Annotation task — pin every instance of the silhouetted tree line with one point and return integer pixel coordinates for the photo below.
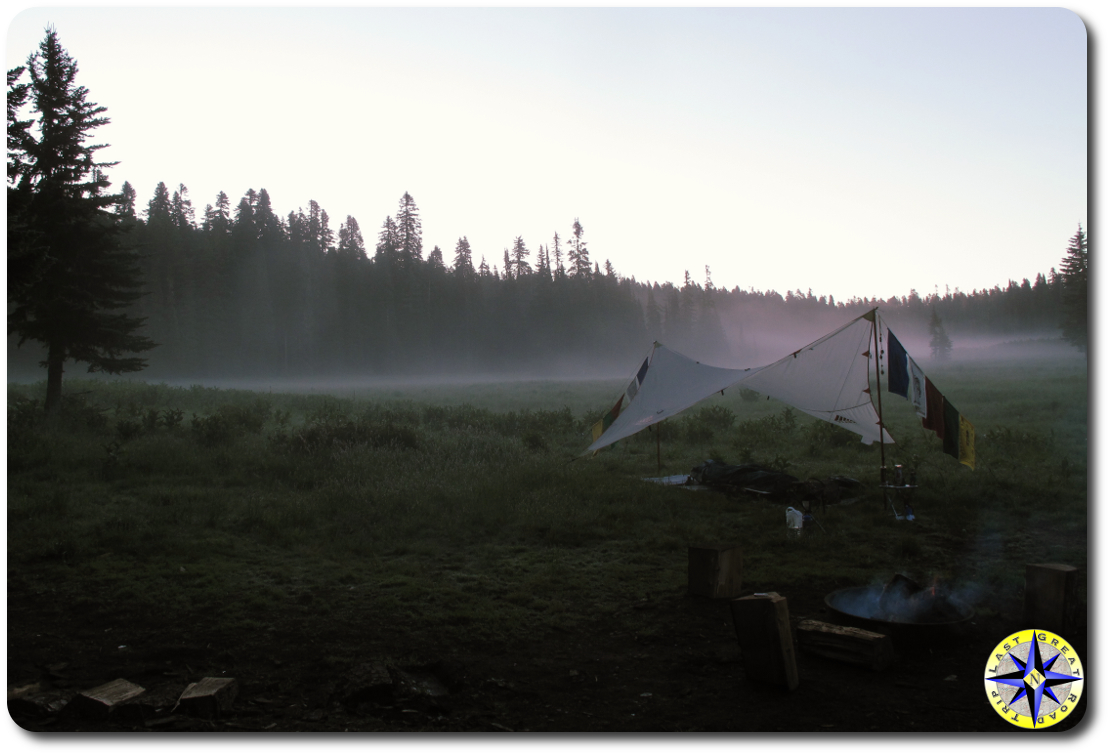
(243, 291)
(749, 326)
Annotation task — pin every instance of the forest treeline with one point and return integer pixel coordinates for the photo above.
(245, 291)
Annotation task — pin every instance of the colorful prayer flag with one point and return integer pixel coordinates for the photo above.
(917, 388)
(603, 424)
(897, 375)
(634, 386)
(951, 430)
(934, 417)
(967, 443)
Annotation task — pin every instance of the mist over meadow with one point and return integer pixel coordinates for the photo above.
(247, 295)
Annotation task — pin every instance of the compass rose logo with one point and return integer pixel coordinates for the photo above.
(1034, 679)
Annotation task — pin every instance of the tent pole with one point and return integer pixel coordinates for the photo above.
(879, 389)
(658, 451)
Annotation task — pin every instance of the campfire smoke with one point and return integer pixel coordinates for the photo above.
(901, 600)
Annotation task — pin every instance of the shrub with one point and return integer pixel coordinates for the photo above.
(230, 422)
(150, 420)
(126, 429)
(335, 431)
(767, 430)
(822, 435)
(23, 414)
(534, 441)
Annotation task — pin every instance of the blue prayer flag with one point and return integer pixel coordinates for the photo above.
(897, 371)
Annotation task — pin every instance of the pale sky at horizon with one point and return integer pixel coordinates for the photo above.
(854, 152)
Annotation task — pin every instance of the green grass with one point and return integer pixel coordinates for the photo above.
(481, 518)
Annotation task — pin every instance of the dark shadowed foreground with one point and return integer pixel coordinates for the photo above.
(387, 565)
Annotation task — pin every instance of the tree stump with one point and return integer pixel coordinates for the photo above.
(762, 624)
(1050, 598)
(847, 644)
(715, 570)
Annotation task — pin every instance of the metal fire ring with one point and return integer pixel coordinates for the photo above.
(837, 597)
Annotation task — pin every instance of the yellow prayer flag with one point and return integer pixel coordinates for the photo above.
(598, 428)
(967, 442)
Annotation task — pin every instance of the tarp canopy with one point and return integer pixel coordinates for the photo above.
(827, 379)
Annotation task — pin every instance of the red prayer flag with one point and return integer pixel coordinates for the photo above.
(934, 409)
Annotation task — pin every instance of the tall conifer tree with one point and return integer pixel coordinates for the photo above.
(409, 243)
(519, 258)
(76, 303)
(1073, 270)
(939, 343)
(464, 259)
(578, 255)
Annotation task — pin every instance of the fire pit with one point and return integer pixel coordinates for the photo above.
(900, 602)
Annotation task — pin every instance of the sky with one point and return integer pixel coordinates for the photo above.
(860, 152)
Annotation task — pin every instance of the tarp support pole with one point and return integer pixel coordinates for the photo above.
(879, 390)
(658, 451)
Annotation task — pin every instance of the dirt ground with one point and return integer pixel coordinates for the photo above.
(680, 671)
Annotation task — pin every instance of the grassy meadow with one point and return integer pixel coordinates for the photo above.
(470, 511)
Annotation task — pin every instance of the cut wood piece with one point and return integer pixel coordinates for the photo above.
(762, 624)
(22, 690)
(847, 644)
(1050, 598)
(40, 703)
(155, 703)
(98, 702)
(208, 698)
(368, 682)
(715, 570)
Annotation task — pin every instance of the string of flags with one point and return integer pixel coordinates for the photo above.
(937, 413)
(630, 393)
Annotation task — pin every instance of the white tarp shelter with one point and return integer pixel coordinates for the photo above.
(827, 379)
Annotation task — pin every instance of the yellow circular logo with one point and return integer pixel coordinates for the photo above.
(1034, 679)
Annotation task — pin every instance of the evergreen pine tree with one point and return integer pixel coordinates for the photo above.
(409, 244)
(558, 271)
(26, 257)
(244, 216)
(125, 205)
(578, 255)
(435, 259)
(160, 205)
(939, 343)
(325, 236)
(520, 266)
(85, 280)
(387, 251)
(350, 240)
(464, 260)
(652, 315)
(181, 209)
(543, 263)
(1073, 271)
(219, 221)
(269, 225)
(19, 138)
